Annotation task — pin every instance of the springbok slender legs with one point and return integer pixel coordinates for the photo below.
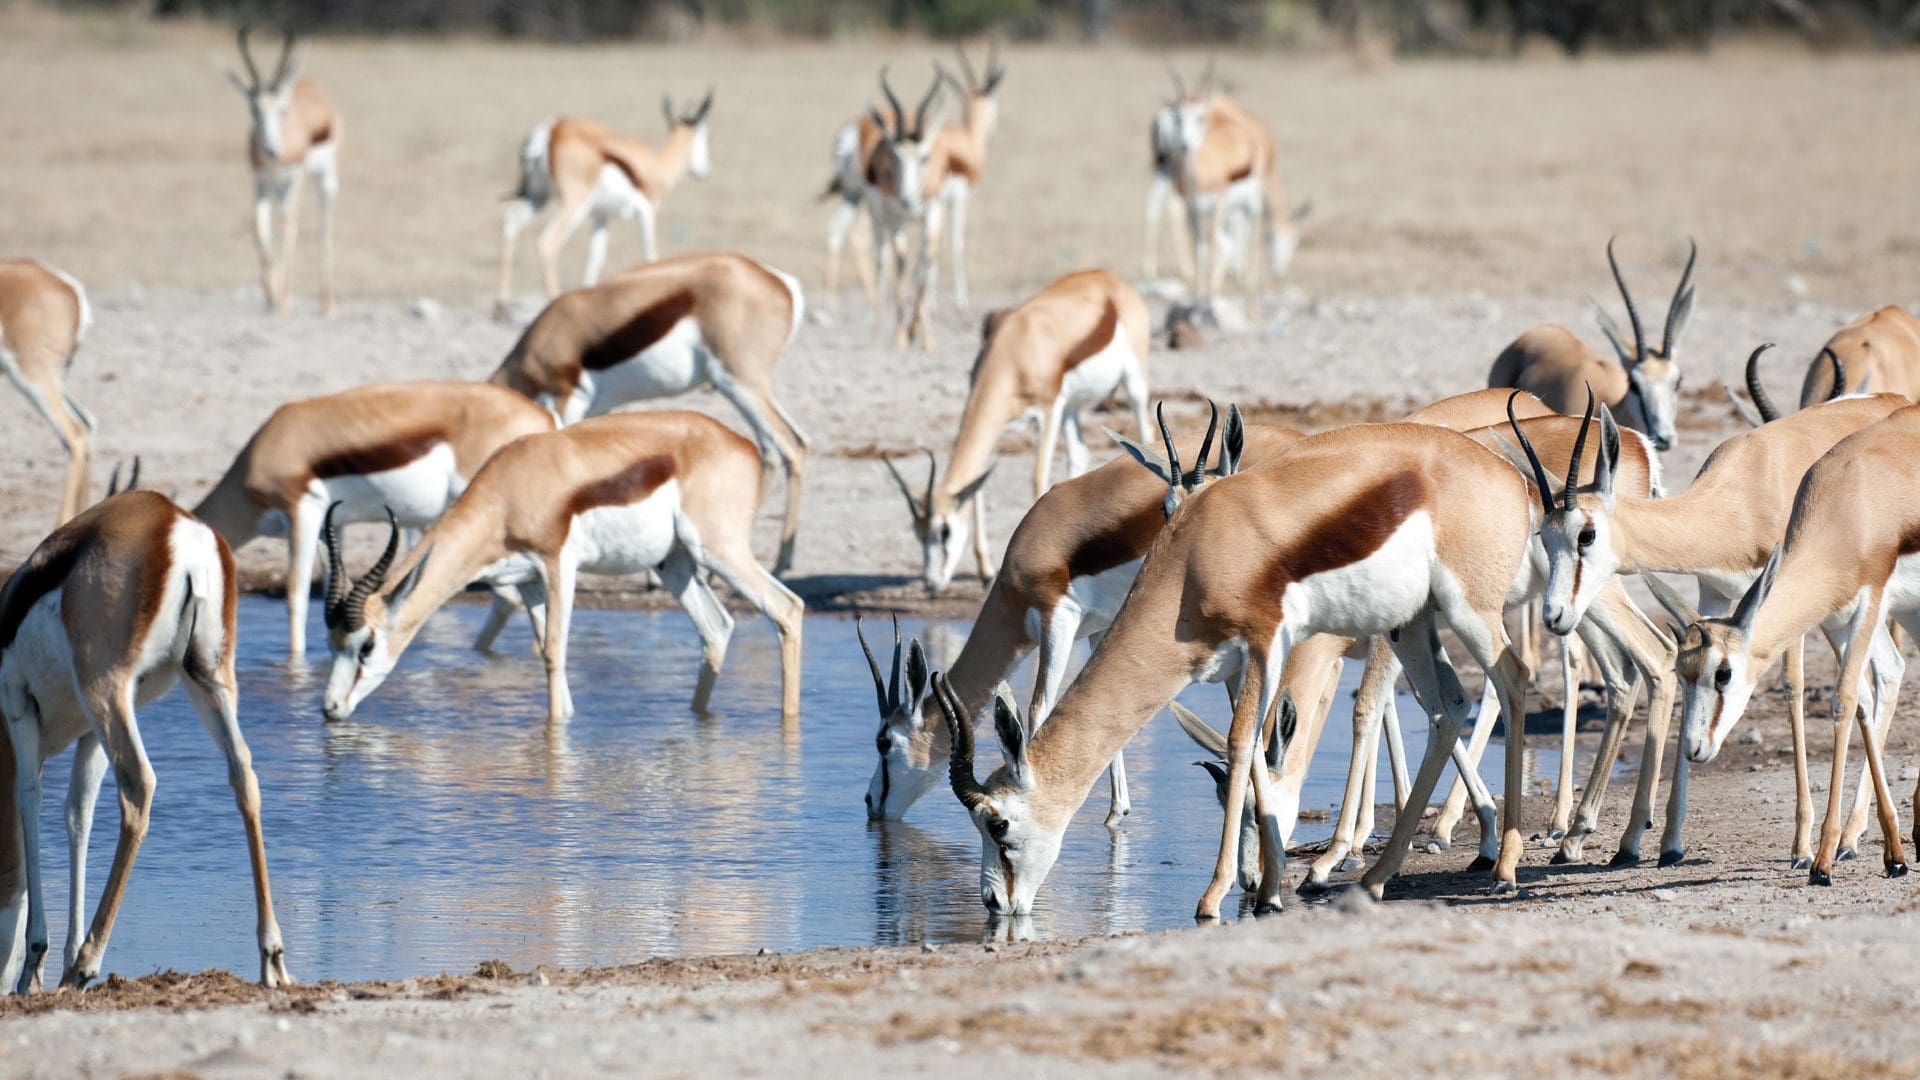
(779, 437)
(328, 179)
(513, 221)
(682, 577)
(71, 423)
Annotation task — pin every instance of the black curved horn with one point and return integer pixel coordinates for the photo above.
(1768, 411)
(1839, 374)
(899, 113)
(879, 683)
(354, 607)
(246, 54)
(1579, 450)
(966, 786)
(1199, 473)
(337, 583)
(920, 113)
(1533, 459)
(1633, 313)
(966, 68)
(1166, 436)
(286, 55)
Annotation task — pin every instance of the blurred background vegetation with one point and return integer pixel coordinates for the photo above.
(1466, 27)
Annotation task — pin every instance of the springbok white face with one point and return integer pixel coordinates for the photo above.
(699, 152)
(898, 778)
(360, 624)
(1216, 744)
(1017, 847)
(269, 100)
(1718, 673)
(942, 523)
(1654, 377)
(1576, 524)
(901, 160)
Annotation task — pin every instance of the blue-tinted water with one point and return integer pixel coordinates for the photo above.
(445, 826)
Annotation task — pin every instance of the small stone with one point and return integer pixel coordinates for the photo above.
(763, 951)
(1910, 772)
(427, 310)
(1755, 767)
(1665, 896)
(539, 978)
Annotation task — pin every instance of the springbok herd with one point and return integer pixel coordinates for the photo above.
(1256, 556)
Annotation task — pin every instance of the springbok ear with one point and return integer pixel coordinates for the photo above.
(1742, 406)
(1217, 770)
(1678, 320)
(913, 501)
(1606, 466)
(1151, 461)
(966, 494)
(1612, 331)
(874, 115)
(1284, 728)
(1012, 731)
(1678, 606)
(1233, 441)
(398, 597)
(1756, 594)
(666, 110)
(916, 677)
(1199, 730)
(295, 66)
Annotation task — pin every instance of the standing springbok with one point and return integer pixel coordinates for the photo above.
(673, 492)
(44, 315)
(1846, 564)
(1643, 387)
(406, 449)
(600, 175)
(1721, 529)
(100, 620)
(1372, 529)
(904, 217)
(1069, 346)
(296, 134)
(667, 329)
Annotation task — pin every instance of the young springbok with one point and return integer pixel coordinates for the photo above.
(673, 492)
(296, 134)
(1069, 346)
(1846, 564)
(1553, 364)
(405, 449)
(1720, 530)
(667, 329)
(44, 314)
(100, 620)
(597, 174)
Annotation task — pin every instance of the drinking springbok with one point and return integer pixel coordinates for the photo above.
(1846, 564)
(1643, 387)
(667, 329)
(406, 449)
(672, 492)
(1068, 347)
(44, 315)
(597, 174)
(296, 134)
(101, 619)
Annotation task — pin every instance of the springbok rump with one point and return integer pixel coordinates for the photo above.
(44, 315)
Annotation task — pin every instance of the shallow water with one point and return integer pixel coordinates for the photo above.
(443, 826)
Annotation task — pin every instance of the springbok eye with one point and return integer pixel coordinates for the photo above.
(883, 744)
(1723, 677)
(998, 827)
(946, 532)
(1587, 537)
(366, 649)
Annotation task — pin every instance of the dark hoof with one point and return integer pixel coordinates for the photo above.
(1896, 869)
(1348, 865)
(1624, 858)
(1503, 888)
(1802, 863)
(1559, 859)
(1265, 908)
(1556, 835)
(1480, 862)
(1206, 920)
(1819, 877)
(1310, 887)
(1671, 858)
(1847, 854)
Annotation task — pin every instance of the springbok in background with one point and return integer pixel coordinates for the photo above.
(1720, 530)
(44, 315)
(1846, 564)
(100, 620)
(959, 156)
(600, 175)
(667, 329)
(296, 134)
(1762, 410)
(405, 449)
(1069, 346)
(672, 492)
(1643, 387)
(904, 218)
(1879, 351)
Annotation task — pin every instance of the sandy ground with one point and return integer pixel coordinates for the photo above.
(1455, 206)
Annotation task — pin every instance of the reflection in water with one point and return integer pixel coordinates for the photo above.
(446, 824)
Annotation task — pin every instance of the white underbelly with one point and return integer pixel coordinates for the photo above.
(1093, 379)
(615, 196)
(417, 492)
(625, 539)
(1099, 596)
(1903, 587)
(1381, 592)
(676, 364)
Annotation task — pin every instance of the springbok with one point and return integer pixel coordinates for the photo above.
(101, 619)
(666, 329)
(597, 174)
(1643, 387)
(1762, 410)
(44, 315)
(1360, 531)
(1720, 530)
(1068, 566)
(905, 220)
(674, 492)
(1880, 350)
(1846, 564)
(296, 134)
(406, 449)
(1069, 346)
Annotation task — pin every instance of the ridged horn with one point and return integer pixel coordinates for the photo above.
(1533, 459)
(966, 787)
(1768, 411)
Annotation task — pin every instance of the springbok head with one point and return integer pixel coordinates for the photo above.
(905, 771)
(1183, 483)
(980, 96)
(1576, 522)
(1653, 375)
(1215, 744)
(1190, 107)
(694, 122)
(271, 99)
(1718, 669)
(1019, 841)
(360, 620)
(899, 165)
(942, 522)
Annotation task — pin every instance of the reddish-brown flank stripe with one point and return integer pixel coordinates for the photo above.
(1100, 337)
(379, 457)
(1349, 533)
(1241, 173)
(624, 488)
(152, 575)
(1127, 540)
(639, 333)
(44, 571)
